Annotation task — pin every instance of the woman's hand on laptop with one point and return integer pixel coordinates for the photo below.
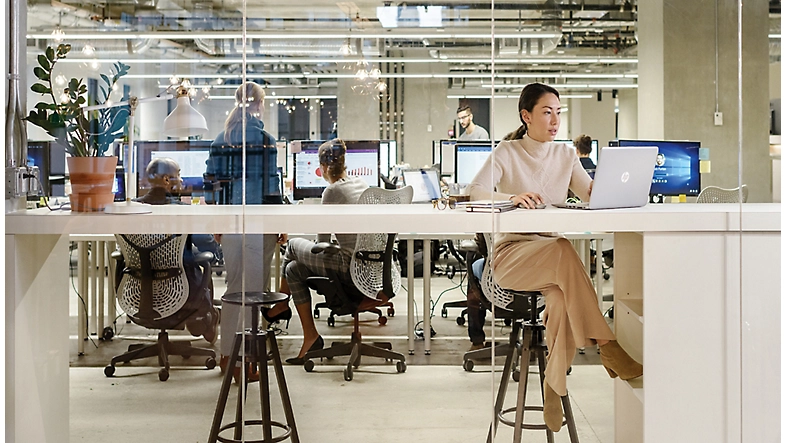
(527, 200)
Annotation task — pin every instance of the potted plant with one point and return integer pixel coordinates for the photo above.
(86, 135)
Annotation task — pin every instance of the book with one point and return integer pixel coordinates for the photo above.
(488, 206)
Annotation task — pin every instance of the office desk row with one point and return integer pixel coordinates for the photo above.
(705, 275)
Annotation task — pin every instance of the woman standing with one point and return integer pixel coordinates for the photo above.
(530, 171)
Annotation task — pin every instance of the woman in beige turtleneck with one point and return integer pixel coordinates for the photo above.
(531, 170)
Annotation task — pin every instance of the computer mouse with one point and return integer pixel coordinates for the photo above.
(540, 206)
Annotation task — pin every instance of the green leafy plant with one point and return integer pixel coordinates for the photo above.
(83, 133)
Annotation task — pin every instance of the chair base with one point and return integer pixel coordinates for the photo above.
(356, 349)
(331, 321)
(162, 348)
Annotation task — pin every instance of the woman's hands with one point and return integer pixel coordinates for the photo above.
(527, 200)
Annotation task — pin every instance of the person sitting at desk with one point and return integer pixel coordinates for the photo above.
(583, 144)
(531, 171)
(471, 130)
(163, 174)
(257, 248)
(300, 263)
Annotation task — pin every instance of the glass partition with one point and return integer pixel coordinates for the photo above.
(430, 95)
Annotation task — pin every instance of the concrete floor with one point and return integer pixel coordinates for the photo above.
(434, 400)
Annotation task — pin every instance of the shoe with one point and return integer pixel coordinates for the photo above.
(552, 409)
(618, 363)
(477, 346)
(224, 362)
(284, 315)
(211, 332)
(318, 344)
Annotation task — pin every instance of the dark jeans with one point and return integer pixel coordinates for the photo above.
(476, 313)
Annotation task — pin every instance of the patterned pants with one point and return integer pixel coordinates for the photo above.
(299, 264)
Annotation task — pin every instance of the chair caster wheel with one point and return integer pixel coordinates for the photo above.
(508, 322)
(107, 333)
(401, 367)
(570, 369)
(308, 365)
(331, 321)
(210, 363)
(444, 313)
(316, 313)
(391, 312)
(163, 374)
(516, 376)
(382, 321)
(460, 321)
(468, 365)
(109, 370)
(348, 374)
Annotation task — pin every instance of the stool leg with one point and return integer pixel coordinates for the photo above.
(503, 384)
(574, 435)
(523, 378)
(260, 351)
(282, 388)
(541, 356)
(224, 393)
(242, 392)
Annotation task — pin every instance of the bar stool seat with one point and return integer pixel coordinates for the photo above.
(260, 348)
(527, 336)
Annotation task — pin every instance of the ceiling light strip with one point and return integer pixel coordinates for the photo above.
(397, 35)
(298, 75)
(317, 61)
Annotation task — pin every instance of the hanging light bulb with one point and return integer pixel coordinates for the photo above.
(63, 98)
(375, 73)
(174, 80)
(88, 50)
(58, 35)
(60, 80)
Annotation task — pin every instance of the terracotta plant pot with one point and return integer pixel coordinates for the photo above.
(91, 182)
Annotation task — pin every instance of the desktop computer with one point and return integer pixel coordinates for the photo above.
(677, 168)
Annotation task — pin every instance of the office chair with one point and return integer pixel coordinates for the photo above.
(157, 290)
(374, 270)
(714, 194)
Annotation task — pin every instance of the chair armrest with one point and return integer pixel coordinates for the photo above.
(203, 257)
(327, 248)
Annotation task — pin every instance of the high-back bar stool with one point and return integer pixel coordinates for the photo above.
(258, 344)
(531, 331)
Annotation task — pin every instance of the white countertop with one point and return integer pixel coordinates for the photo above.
(421, 219)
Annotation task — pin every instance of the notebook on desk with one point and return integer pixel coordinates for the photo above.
(622, 179)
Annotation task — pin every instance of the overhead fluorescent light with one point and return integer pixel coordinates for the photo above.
(299, 35)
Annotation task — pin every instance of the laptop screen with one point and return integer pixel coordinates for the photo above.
(425, 184)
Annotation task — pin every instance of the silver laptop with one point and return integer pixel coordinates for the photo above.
(622, 178)
(425, 184)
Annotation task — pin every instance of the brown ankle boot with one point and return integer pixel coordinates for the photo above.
(552, 409)
(618, 362)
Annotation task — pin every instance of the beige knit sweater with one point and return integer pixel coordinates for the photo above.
(526, 165)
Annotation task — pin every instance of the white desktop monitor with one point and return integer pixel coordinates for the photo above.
(469, 158)
(193, 165)
(384, 157)
(360, 161)
(281, 157)
(425, 184)
(447, 153)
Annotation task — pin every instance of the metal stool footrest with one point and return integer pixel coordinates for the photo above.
(530, 426)
(284, 436)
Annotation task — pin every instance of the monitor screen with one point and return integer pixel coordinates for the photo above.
(119, 186)
(447, 153)
(469, 158)
(676, 166)
(425, 184)
(362, 160)
(387, 156)
(192, 165)
(593, 155)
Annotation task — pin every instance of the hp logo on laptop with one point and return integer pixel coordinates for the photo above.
(625, 177)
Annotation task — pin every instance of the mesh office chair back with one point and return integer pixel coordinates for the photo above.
(714, 194)
(169, 285)
(367, 267)
(499, 296)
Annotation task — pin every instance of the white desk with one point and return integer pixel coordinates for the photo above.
(704, 275)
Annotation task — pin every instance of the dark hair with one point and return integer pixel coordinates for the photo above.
(464, 107)
(583, 144)
(528, 99)
(332, 155)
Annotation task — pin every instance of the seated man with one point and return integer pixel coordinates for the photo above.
(476, 313)
(164, 177)
(163, 174)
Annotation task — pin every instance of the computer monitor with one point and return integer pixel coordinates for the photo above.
(676, 167)
(469, 158)
(362, 160)
(191, 155)
(235, 170)
(446, 157)
(425, 184)
(593, 155)
(119, 186)
(388, 154)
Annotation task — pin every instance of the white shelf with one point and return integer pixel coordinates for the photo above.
(636, 386)
(634, 307)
